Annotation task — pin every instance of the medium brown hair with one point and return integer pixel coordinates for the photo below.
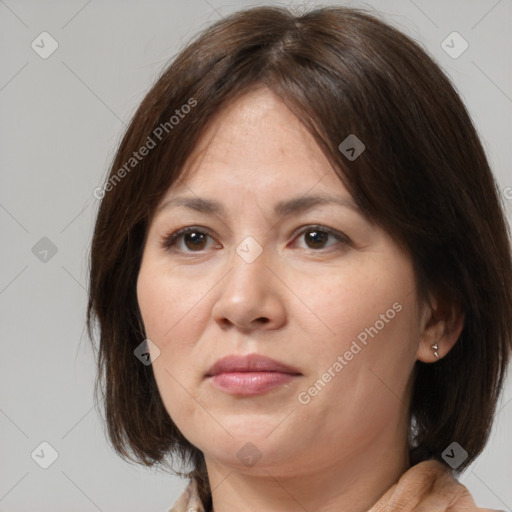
(423, 177)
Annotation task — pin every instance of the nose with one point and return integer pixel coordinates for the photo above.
(250, 296)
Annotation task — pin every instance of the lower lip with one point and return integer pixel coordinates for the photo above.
(250, 383)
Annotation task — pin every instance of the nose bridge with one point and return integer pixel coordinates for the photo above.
(250, 257)
(249, 292)
(249, 274)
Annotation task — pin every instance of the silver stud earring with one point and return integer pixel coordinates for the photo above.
(435, 347)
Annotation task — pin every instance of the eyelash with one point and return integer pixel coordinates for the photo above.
(168, 242)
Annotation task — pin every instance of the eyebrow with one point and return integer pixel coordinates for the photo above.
(284, 208)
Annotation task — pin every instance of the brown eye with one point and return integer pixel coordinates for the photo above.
(316, 238)
(194, 240)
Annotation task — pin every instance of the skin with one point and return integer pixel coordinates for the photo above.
(299, 303)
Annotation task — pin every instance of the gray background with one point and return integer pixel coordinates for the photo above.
(61, 120)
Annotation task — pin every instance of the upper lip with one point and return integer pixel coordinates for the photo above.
(249, 363)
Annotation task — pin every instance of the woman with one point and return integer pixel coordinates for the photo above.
(301, 272)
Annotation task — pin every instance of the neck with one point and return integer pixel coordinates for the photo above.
(351, 485)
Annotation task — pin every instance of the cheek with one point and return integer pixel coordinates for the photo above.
(164, 313)
(359, 383)
(169, 305)
(345, 303)
(171, 309)
(368, 325)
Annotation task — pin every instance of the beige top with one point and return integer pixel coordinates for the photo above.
(428, 485)
(189, 500)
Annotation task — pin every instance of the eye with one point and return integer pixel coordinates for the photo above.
(193, 237)
(316, 237)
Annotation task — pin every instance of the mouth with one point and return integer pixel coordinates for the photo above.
(251, 374)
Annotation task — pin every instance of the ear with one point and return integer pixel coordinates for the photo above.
(441, 326)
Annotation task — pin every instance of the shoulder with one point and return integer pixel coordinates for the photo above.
(428, 485)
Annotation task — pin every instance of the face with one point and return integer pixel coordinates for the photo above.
(313, 285)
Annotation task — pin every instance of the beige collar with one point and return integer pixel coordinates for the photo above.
(427, 486)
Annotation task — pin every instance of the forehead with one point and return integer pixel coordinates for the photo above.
(256, 140)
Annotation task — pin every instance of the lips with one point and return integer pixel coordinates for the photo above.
(253, 374)
(250, 363)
